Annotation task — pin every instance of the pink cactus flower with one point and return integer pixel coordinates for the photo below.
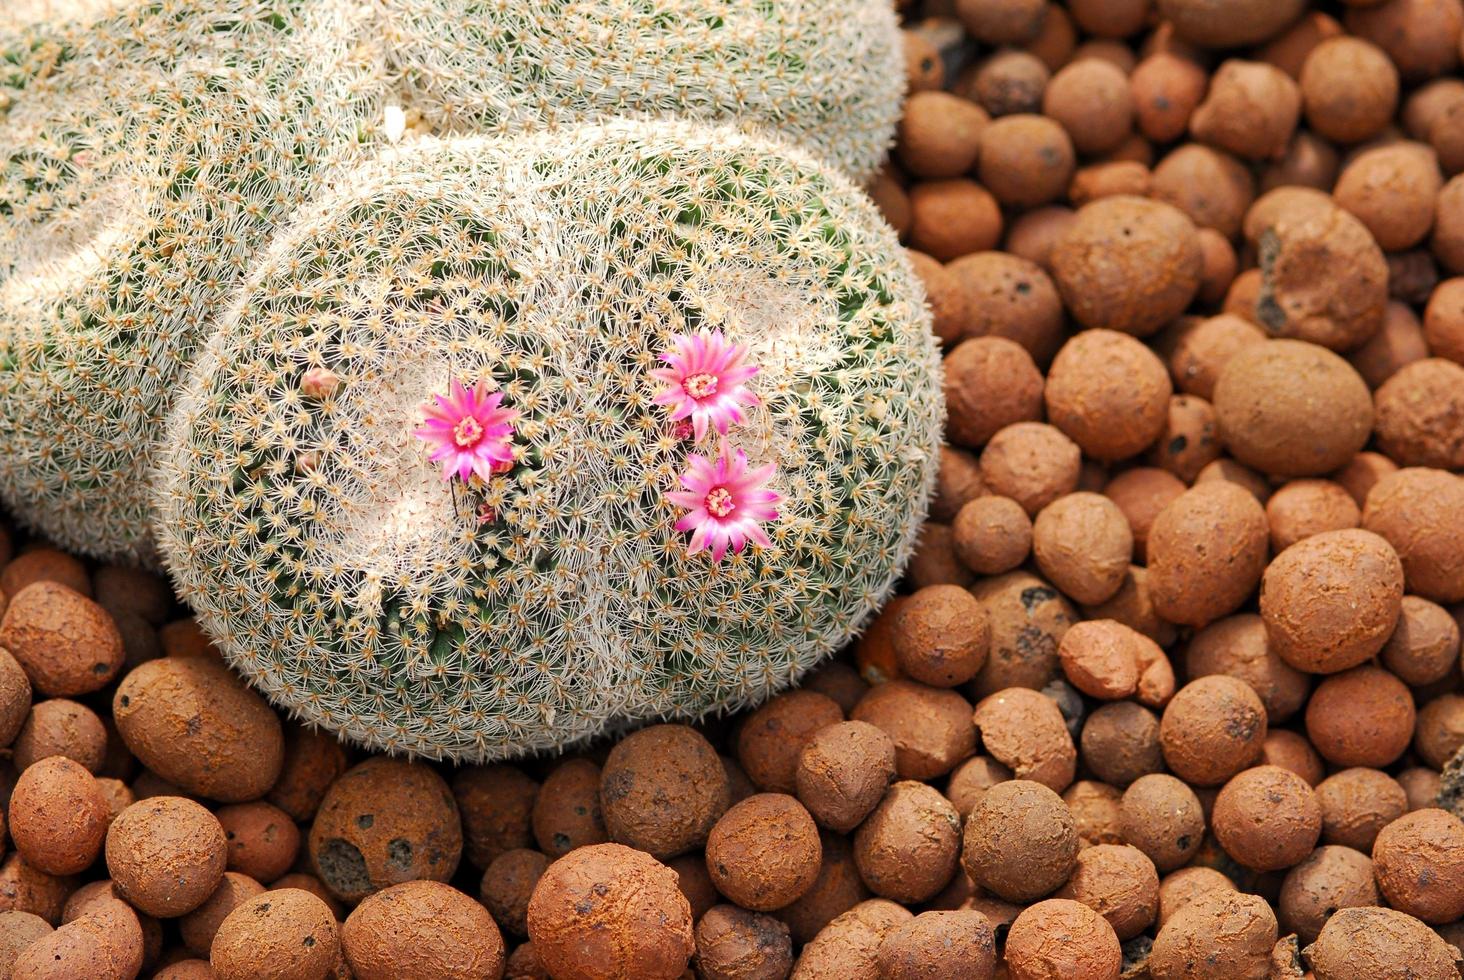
(469, 433)
(727, 503)
(705, 381)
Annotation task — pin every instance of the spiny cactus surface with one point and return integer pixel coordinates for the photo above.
(533, 291)
(826, 74)
(147, 149)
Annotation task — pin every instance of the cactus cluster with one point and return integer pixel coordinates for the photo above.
(147, 150)
(827, 75)
(310, 527)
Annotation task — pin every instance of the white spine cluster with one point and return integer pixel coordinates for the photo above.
(828, 75)
(147, 150)
(348, 581)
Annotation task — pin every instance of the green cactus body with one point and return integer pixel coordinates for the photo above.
(359, 590)
(827, 75)
(141, 165)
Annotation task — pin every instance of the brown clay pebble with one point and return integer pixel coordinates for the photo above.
(1360, 717)
(1032, 235)
(843, 773)
(1119, 883)
(1010, 82)
(58, 816)
(291, 935)
(1025, 731)
(661, 789)
(972, 779)
(1141, 493)
(1331, 601)
(1356, 804)
(1202, 351)
(773, 736)
(1419, 863)
(166, 855)
(951, 218)
(1421, 37)
(1091, 99)
(199, 927)
(191, 721)
(947, 301)
(1032, 463)
(931, 727)
(735, 944)
(1417, 510)
(1443, 320)
(1212, 25)
(839, 681)
(933, 563)
(941, 636)
(1128, 264)
(27, 889)
(1239, 647)
(1218, 935)
(1303, 508)
(609, 912)
(836, 890)
(940, 134)
(1207, 550)
(992, 535)
(1212, 729)
(1363, 472)
(1391, 189)
(1096, 809)
(1162, 817)
(1020, 841)
(1025, 160)
(1419, 414)
(1166, 89)
(1120, 743)
(1013, 298)
(1374, 943)
(67, 643)
(15, 697)
(1062, 938)
(764, 852)
(1101, 658)
(104, 944)
(314, 760)
(507, 886)
(1028, 620)
(990, 383)
(691, 878)
(849, 946)
(566, 811)
(385, 821)
(1294, 753)
(18, 930)
(263, 840)
(940, 944)
(1250, 110)
(1082, 543)
(1327, 880)
(908, 848)
(1349, 89)
(1439, 731)
(44, 565)
(1267, 818)
(1179, 888)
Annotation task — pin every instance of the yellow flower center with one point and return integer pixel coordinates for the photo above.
(467, 432)
(719, 502)
(700, 385)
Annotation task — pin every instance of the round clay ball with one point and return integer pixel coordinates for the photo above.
(1238, 646)
(1141, 493)
(1166, 88)
(1212, 25)
(661, 789)
(1418, 412)
(1108, 393)
(951, 218)
(1025, 731)
(1356, 804)
(1366, 943)
(1212, 729)
(1218, 935)
(941, 636)
(1120, 743)
(385, 821)
(199, 927)
(1391, 189)
(735, 944)
(1001, 21)
(849, 945)
(422, 929)
(1207, 551)
(609, 911)
(939, 134)
(1096, 812)
(106, 943)
(1179, 888)
(972, 779)
(1331, 601)
(174, 712)
(263, 840)
(993, 535)
(1349, 89)
(939, 943)
(1025, 160)
(1020, 841)
(1416, 510)
(1062, 938)
(1128, 264)
(1250, 110)
(1101, 658)
(1201, 351)
(1360, 717)
(1292, 409)
(1028, 620)
(18, 930)
(843, 773)
(68, 644)
(314, 760)
(773, 736)
(567, 812)
(908, 848)
(1010, 297)
(61, 727)
(1162, 817)
(931, 727)
(1031, 463)
(1267, 818)
(1419, 863)
(1118, 881)
(1439, 731)
(764, 852)
(43, 565)
(166, 855)
(990, 383)
(507, 885)
(57, 816)
(1010, 82)
(1091, 99)
(1303, 508)
(1082, 543)
(287, 934)
(1327, 880)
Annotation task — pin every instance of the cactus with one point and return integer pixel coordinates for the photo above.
(146, 150)
(508, 313)
(827, 74)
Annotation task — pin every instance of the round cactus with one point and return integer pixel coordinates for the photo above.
(508, 441)
(828, 75)
(146, 151)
